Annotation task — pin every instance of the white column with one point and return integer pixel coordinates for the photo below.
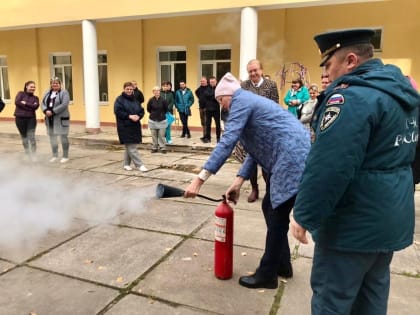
(249, 37)
(90, 76)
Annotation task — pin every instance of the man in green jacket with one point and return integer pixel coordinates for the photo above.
(356, 194)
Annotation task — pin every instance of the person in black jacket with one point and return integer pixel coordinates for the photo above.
(157, 107)
(138, 95)
(212, 110)
(199, 92)
(128, 114)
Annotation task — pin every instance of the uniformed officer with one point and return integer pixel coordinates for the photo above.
(355, 197)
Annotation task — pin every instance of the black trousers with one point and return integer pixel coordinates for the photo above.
(26, 127)
(184, 121)
(215, 114)
(277, 250)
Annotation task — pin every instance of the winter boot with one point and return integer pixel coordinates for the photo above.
(254, 194)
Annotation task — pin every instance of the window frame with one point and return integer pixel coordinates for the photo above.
(103, 52)
(2, 93)
(170, 63)
(379, 30)
(53, 67)
(213, 62)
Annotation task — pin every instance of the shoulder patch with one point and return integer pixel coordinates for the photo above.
(330, 115)
(335, 99)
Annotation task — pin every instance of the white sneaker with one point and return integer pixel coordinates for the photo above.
(53, 159)
(64, 160)
(143, 168)
(128, 168)
(169, 142)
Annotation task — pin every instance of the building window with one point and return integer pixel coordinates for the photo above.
(4, 79)
(215, 61)
(377, 40)
(172, 65)
(61, 67)
(103, 77)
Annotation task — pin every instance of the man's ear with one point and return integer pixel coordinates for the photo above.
(352, 61)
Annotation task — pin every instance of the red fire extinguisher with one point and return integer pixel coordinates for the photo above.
(223, 241)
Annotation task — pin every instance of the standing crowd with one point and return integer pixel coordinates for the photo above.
(340, 158)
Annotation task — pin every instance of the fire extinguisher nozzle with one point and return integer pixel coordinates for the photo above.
(165, 191)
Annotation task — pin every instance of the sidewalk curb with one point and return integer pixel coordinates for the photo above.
(115, 145)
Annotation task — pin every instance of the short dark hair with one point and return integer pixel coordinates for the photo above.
(128, 83)
(298, 81)
(362, 50)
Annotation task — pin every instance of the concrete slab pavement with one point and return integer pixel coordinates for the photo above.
(158, 259)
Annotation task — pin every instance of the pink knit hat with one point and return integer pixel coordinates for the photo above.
(227, 85)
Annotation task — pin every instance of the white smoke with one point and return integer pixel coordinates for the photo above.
(34, 203)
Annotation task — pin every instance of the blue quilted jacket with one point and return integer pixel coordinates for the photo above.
(273, 138)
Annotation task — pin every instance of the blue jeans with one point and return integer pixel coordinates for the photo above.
(350, 283)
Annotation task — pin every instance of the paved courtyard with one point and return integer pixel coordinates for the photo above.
(87, 237)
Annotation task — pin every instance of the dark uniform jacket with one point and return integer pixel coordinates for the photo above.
(356, 192)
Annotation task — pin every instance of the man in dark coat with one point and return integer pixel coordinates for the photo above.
(212, 110)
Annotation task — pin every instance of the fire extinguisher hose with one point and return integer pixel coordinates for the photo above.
(211, 199)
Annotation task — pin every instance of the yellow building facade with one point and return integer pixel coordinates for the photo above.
(153, 41)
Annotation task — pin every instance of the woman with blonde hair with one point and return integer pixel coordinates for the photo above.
(55, 105)
(157, 108)
(308, 107)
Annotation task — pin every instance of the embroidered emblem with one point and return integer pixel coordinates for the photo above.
(330, 115)
(336, 99)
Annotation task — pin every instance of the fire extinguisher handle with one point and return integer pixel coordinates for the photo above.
(208, 198)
